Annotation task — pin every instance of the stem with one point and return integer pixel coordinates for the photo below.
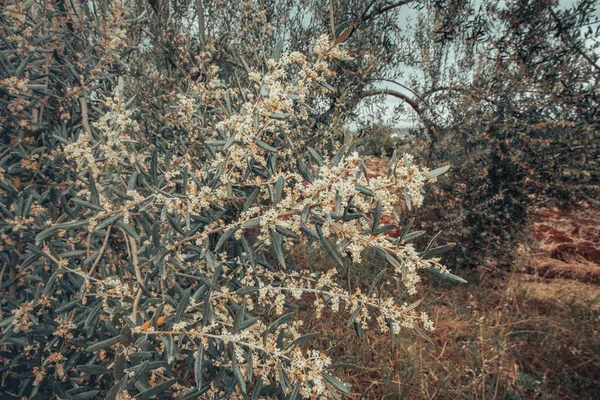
(97, 261)
(219, 337)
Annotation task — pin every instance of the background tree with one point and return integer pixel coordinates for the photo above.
(517, 115)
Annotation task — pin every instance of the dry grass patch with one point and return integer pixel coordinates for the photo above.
(517, 336)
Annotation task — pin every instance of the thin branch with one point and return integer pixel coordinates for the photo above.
(201, 28)
(220, 337)
(136, 303)
(385, 9)
(134, 260)
(398, 84)
(390, 92)
(81, 274)
(101, 251)
(85, 116)
(138, 275)
(441, 89)
(85, 119)
(1, 276)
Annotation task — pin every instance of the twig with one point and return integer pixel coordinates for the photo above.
(101, 250)
(12, 274)
(219, 337)
(136, 302)
(138, 276)
(85, 119)
(84, 276)
(1, 276)
(135, 262)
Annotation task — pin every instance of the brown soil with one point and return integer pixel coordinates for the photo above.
(568, 246)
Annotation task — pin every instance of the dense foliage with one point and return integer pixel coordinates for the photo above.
(148, 210)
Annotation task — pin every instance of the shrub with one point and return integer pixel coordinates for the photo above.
(147, 221)
(380, 141)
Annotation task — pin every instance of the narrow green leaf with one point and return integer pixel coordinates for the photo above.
(279, 189)
(281, 320)
(257, 389)
(90, 394)
(437, 172)
(129, 230)
(278, 247)
(376, 216)
(302, 339)
(45, 234)
(326, 85)
(316, 156)
(247, 323)
(252, 223)
(375, 282)
(286, 232)
(439, 250)
(384, 228)
(183, 303)
(336, 383)
(157, 389)
(87, 204)
(431, 242)
(245, 65)
(119, 366)
(139, 372)
(446, 276)
(327, 246)
(407, 199)
(154, 166)
(224, 237)
(104, 344)
(116, 388)
(94, 369)
(251, 199)
(412, 235)
(245, 290)
(343, 36)
(198, 367)
(249, 364)
(304, 171)
(305, 213)
(406, 229)
(249, 251)
(413, 305)
(280, 116)
(295, 392)
(238, 375)
(108, 221)
(354, 315)
(91, 319)
(338, 157)
(364, 190)
(266, 147)
(72, 254)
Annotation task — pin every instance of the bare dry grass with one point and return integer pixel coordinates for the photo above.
(517, 335)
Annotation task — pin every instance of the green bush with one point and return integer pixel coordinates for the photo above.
(382, 141)
(147, 217)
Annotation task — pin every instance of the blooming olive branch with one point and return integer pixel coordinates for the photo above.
(192, 334)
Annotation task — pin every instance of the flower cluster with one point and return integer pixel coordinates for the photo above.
(154, 228)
